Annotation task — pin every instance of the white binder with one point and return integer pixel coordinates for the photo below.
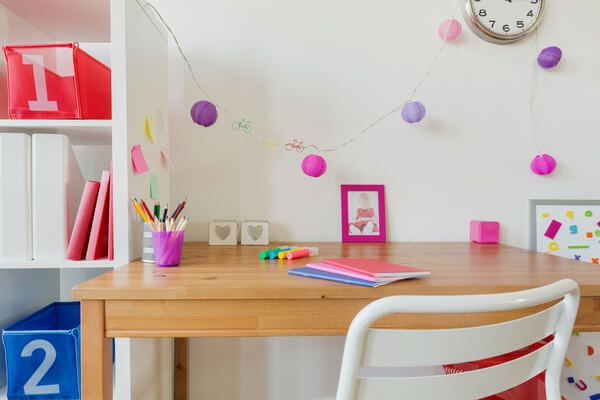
(15, 197)
(57, 185)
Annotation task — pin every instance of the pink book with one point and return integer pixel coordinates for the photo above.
(83, 222)
(375, 268)
(98, 244)
(340, 271)
(111, 243)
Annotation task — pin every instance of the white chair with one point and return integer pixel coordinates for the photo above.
(366, 347)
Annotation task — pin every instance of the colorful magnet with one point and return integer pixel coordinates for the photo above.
(553, 246)
(595, 261)
(589, 235)
(577, 257)
(570, 214)
(581, 385)
(570, 379)
(568, 363)
(588, 213)
(552, 229)
(573, 229)
(590, 351)
(544, 215)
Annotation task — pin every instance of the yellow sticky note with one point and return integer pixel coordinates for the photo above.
(154, 193)
(150, 124)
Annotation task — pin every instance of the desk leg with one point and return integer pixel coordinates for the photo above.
(96, 353)
(181, 372)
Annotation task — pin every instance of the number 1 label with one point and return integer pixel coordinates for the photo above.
(39, 80)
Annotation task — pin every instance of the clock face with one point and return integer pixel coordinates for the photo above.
(504, 20)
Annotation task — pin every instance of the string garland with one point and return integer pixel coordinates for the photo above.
(205, 112)
(241, 124)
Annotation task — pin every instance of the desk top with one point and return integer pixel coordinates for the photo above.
(236, 272)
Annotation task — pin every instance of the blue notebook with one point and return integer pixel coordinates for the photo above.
(315, 273)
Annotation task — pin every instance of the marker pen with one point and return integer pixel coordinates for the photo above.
(282, 254)
(265, 254)
(273, 253)
(303, 252)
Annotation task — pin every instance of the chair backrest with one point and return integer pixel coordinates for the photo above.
(367, 347)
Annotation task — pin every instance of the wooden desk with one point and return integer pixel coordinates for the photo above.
(229, 291)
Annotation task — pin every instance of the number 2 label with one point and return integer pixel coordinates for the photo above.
(32, 385)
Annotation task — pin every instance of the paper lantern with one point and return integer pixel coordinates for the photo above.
(543, 164)
(413, 112)
(314, 165)
(204, 113)
(549, 57)
(449, 29)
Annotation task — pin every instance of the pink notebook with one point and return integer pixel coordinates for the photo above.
(83, 222)
(375, 268)
(111, 243)
(98, 244)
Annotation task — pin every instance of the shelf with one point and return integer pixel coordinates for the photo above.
(37, 264)
(66, 20)
(80, 131)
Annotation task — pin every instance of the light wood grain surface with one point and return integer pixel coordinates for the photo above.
(236, 272)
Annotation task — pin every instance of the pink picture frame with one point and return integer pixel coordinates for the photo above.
(363, 213)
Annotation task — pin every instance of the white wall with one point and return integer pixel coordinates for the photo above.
(322, 70)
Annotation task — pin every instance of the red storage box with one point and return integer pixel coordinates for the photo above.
(56, 81)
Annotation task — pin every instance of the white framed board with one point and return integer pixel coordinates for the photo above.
(566, 228)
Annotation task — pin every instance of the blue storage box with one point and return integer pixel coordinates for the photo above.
(43, 354)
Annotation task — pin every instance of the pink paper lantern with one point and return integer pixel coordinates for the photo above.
(449, 29)
(543, 164)
(314, 165)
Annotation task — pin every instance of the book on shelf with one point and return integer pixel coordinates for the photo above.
(98, 242)
(15, 197)
(57, 183)
(83, 222)
(111, 224)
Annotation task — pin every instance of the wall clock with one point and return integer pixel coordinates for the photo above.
(503, 21)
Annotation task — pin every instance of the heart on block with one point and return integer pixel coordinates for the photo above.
(255, 231)
(222, 232)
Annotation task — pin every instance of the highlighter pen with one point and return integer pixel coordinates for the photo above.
(304, 252)
(282, 254)
(273, 254)
(265, 254)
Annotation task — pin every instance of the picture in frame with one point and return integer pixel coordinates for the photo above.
(363, 213)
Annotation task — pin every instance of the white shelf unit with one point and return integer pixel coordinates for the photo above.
(138, 60)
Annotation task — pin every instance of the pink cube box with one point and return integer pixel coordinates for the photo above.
(485, 231)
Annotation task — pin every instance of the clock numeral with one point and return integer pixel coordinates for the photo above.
(520, 24)
(506, 28)
(530, 13)
(493, 22)
(482, 12)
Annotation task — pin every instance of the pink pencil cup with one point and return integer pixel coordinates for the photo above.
(167, 248)
(485, 231)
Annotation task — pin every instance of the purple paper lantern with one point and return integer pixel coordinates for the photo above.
(449, 29)
(543, 164)
(204, 113)
(549, 57)
(413, 112)
(314, 165)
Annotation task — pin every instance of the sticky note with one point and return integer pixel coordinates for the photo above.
(164, 156)
(138, 160)
(150, 124)
(154, 192)
(552, 229)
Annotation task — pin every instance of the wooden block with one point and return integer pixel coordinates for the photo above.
(255, 232)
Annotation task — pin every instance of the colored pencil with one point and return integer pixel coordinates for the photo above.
(150, 216)
(180, 208)
(157, 210)
(165, 213)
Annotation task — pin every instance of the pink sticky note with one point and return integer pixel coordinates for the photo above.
(138, 160)
(164, 155)
(552, 229)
